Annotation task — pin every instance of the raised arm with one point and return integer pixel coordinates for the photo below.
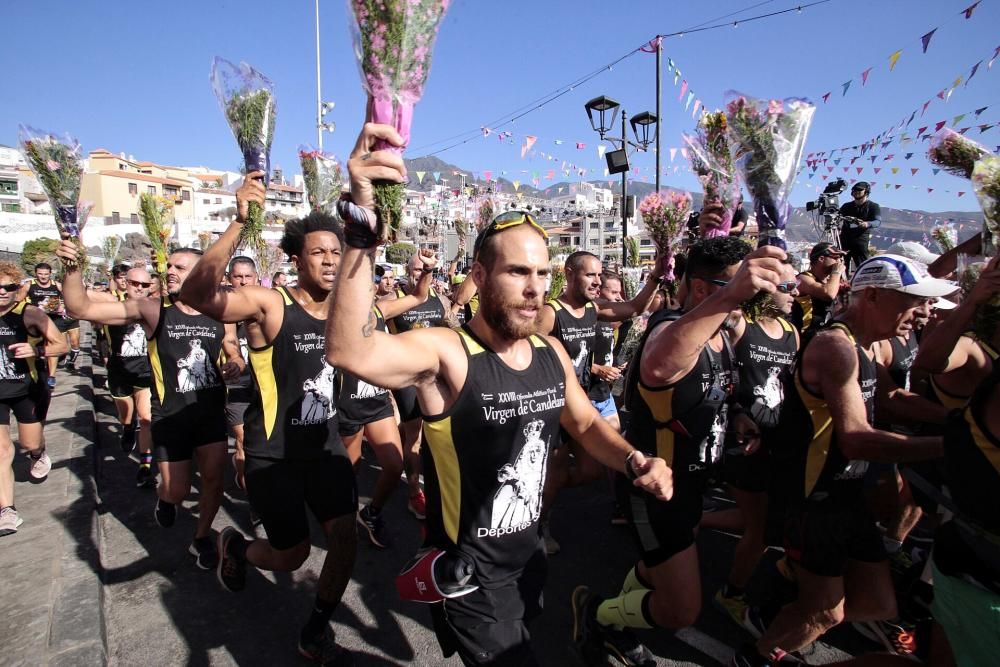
(809, 286)
(585, 426)
(897, 405)
(82, 307)
(618, 311)
(352, 343)
(672, 350)
(400, 305)
(203, 289)
(463, 294)
(948, 262)
(833, 360)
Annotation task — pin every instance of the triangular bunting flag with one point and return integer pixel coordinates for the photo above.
(673, 154)
(960, 193)
(486, 131)
(921, 130)
(930, 189)
(973, 72)
(860, 169)
(983, 128)
(420, 176)
(877, 169)
(898, 186)
(914, 170)
(941, 93)
(894, 58)
(996, 53)
(684, 87)
(689, 99)
(926, 39)
(939, 125)
(558, 142)
(958, 81)
(935, 170)
(436, 175)
(845, 86)
(826, 97)
(529, 141)
(958, 119)
(580, 145)
(963, 130)
(864, 76)
(487, 176)
(971, 8)
(895, 170)
(600, 151)
(926, 104)
(981, 109)
(517, 185)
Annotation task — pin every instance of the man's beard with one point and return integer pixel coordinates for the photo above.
(496, 313)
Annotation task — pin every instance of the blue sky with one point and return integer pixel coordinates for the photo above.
(133, 77)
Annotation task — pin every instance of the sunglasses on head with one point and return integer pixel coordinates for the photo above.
(506, 221)
(10, 287)
(136, 283)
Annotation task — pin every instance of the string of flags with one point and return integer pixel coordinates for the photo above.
(893, 58)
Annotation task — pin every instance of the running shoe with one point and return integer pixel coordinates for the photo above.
(754, 621)
(205, 555)
(41, 466)
(324, 649)
(50, 382)
(71, 358)
(551, 546)
(748, 656)
(165, 513)
(733, 606)
(127, 441)
(9, 521)
(418, 505)
(595, 642)
(232, 567)
(374, 524)
(898, 637)
(626, 648)
(144, 477)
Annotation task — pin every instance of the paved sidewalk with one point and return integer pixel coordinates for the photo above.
(52, 595)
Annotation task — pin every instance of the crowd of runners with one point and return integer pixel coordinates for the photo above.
(853, 418)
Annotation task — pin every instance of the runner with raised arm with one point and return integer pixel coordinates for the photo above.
(493, 395)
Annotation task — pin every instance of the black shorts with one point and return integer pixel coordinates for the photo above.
(176, 436)
(122, 383)
(66, 324)
(29, 408)
(280, 490)
(664, 529)
(235, 411)
(352, 420)
(747, 472)
(406, 403)
(489, 626)
(823, 536)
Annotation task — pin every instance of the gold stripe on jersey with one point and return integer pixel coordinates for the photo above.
(152, 349)
(267, 385)
(660, 404)
(470, 343)
(33, 341)
(537, 341)
(822, 434)
(439, 439)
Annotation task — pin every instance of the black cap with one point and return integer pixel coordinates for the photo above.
(824, 248)
(861, 185)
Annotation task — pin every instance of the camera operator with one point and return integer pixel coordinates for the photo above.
(860, 217)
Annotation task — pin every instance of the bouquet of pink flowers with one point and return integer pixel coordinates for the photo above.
(393, 41)
(767, 138)
(954, 153)
(323, 179)
(247, 99)
(665, 215)
(712, 163)
(485, 214)
(58, 165)
(946, 236)
(986, 184)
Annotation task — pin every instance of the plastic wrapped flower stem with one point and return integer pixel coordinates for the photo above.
(712, 163)
(767, 139)
(462, 232)
(954, 153)
(485, 214)
(158, 223)
(247, 100)
(986, 184)
(57, 164)
(946, 236)
(394, 42)
(323, 179)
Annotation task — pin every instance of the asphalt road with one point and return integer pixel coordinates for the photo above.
(162, 610)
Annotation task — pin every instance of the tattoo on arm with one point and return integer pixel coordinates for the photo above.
(369, 328)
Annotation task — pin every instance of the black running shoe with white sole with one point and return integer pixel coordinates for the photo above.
(232, 567)
(165, 513)
(144, 477)
(374, 525)
(127, 441)
(324, 649)
(205, 555)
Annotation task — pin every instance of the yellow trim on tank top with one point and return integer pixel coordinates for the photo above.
(153, 351)
(659, 401)
(267, 385)
(438, 436)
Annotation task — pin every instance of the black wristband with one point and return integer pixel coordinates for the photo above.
(358, 232)
(629, 470)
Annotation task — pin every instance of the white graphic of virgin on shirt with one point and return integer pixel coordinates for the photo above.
(317, 400)
(517, 504)
(134, 342)
(8, 371)
(196, 371)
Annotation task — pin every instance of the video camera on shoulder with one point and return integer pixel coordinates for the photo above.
(828, 201)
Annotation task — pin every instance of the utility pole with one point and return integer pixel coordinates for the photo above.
(319, 98)
(625, 190)
(659, 96)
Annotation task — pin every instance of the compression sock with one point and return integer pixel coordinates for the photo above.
(319, 618)
(146, 459)
(634, 582)
(630, 610)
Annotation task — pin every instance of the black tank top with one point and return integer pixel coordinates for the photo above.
(127, 344)
(764, 363)
(16, 375)
(684, 423)
(245, 379)
(577, 335)
(807, 440)
(485, 458)
(363, 397)
(814, 311)
(903, 354)
(49, 298)
(292, 414)
(604, 344)
(428, 314)
(184, 354)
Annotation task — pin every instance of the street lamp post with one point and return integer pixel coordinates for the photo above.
(618, 159)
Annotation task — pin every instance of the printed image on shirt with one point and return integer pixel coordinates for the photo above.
(768, 397)
(8, 371)
(195, 371)
(366, 390)
(134, 342)
(518, 502)
(317, 401)
(581, 357)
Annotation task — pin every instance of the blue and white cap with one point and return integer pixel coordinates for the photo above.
(898, 273)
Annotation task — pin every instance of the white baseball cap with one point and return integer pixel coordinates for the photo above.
(912, 250)
(898, 273)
